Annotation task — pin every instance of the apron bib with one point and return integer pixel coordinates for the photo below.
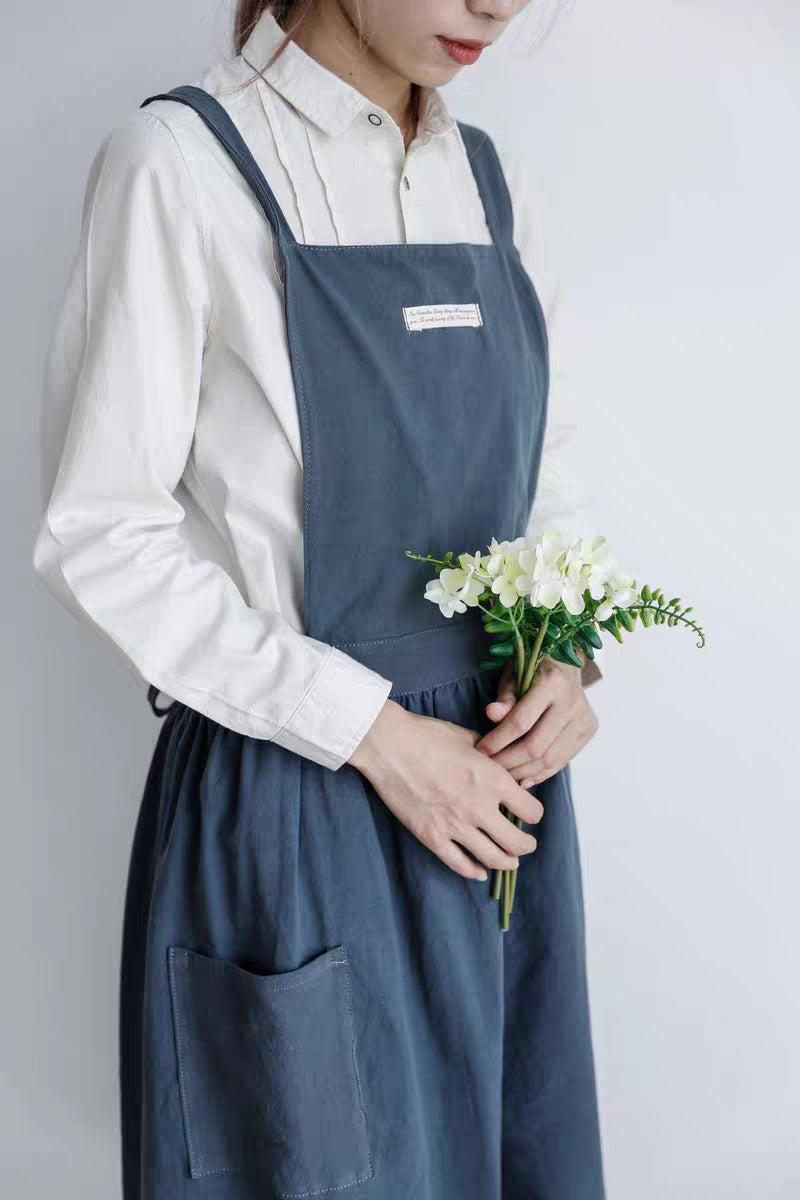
(311, 1001)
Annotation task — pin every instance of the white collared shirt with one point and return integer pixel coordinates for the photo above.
(171, 453)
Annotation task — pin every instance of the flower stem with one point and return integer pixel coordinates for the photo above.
(507, 876)
(506, 896)
(533, 661)
(520, 662)
(518, 822)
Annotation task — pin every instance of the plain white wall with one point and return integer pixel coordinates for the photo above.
(665, 135)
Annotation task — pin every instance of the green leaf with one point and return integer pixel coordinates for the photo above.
(564, 652)
(502, 649)
(488, 665)
(593, 637)
(586, 646)
(492, 625)
(611, 626)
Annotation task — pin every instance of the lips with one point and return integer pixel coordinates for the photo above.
(473, 45)
(462, 52)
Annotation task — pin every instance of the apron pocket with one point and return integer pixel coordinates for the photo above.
(268, 1074)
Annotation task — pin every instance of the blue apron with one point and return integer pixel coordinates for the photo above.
(312, 1002)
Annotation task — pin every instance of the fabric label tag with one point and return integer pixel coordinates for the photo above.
(435, 316)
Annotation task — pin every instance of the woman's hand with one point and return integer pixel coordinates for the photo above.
(539, 733)
(428, 773)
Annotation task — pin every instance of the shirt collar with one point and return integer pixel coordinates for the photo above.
(321, 95)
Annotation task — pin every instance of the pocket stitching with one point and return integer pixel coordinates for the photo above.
(176, 1011)
(309, 970)
(357, 1073)
(343, 962)
(172, 952)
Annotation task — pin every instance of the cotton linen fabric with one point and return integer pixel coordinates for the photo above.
(312, 1002)
(172, 460)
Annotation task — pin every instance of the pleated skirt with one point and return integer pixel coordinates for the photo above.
(312, 1002)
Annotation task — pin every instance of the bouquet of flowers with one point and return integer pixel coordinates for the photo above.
(548, 597)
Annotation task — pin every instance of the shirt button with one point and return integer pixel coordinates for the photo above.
(374, 118)
(405, 181)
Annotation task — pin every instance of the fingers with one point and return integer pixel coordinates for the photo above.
(536, 768)
(557, 721)
(508, 836)
(487, 851)
(497, 709)
(504, 701)
(453, 856)
(536, 771)
(520, 802)
(520, 718)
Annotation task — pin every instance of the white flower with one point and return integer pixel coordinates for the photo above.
(550, 570)
(589, 550)
(507, 575)
(477, 565)
(548, 589)
(589, 564)
(551, 549)
(564, 571)
(572, 596)
(544, 566)
(456, 588)
(620, 594)
(504, 587)
(506, 547)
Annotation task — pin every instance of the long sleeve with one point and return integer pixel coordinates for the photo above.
(122, 387)
(560, 502)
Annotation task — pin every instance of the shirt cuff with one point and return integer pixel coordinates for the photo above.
(334, 715)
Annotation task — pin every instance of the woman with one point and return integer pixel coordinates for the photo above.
(316, 995)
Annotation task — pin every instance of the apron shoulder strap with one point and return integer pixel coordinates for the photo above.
(221, 124)
(492, 185)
